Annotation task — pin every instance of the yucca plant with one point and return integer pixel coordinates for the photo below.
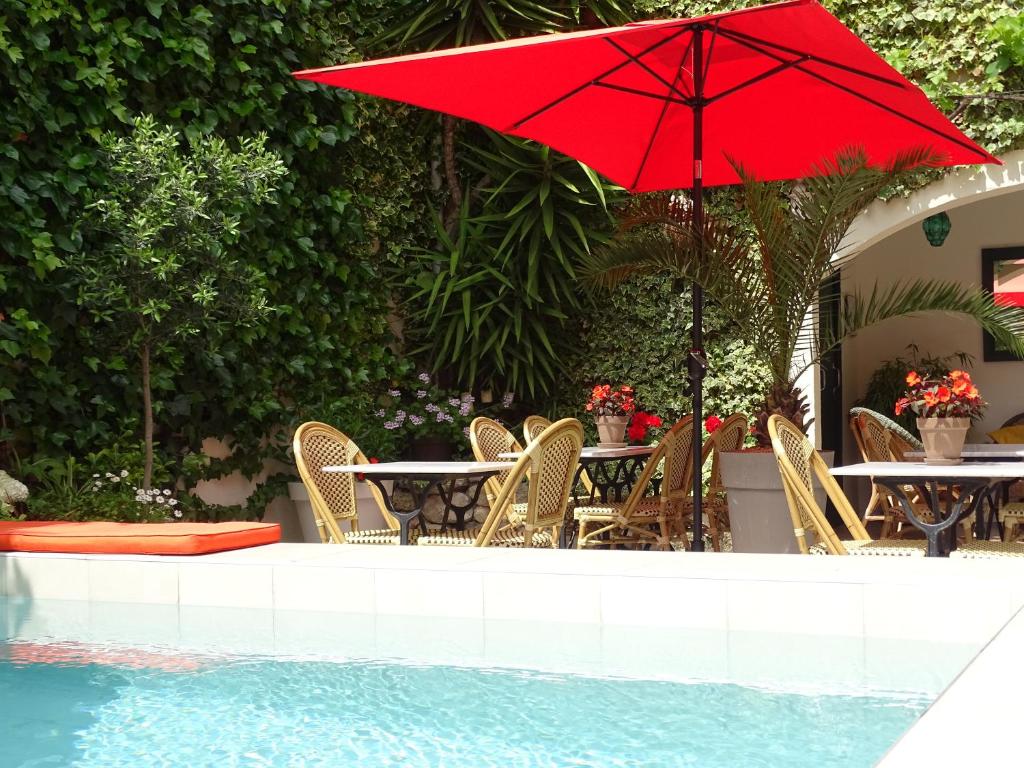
(765, 269)
(491, 300)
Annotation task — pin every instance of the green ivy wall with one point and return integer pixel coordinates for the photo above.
(352, 200)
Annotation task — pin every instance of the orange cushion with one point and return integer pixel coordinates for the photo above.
(134, 538)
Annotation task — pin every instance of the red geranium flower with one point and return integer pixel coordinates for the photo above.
(711, 423)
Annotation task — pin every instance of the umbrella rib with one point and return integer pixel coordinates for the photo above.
(743, 37)
(711, 51)
(661, 118)
(956, 140)
(671, 86)
(637, 92)
(654, 46)
(763, 76)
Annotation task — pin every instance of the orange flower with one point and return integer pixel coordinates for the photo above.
(901, 405)
(913, 379)
(960, 387)
(930, 399)
(972, 393)
(943, 394)
(958, 374)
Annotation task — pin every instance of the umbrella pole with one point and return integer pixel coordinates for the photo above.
(697, 362)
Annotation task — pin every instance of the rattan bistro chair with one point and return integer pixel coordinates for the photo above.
(533, 426)
(548, 465)
(798, 463)
(642, 519)
(333, 495)
(488, 439)
(728, 437)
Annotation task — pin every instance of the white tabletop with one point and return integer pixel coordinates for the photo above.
(593, 452)
(993, 470)
(983, 451)
(412, 468)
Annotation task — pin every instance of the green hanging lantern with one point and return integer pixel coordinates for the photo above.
(936, 228)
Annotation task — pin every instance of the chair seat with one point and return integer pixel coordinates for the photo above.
(503, 538)
(382, 536)
(979, 550)
(646, 509)
(886, 547)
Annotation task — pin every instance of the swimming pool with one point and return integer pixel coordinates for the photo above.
(100, 688)
(219, 711)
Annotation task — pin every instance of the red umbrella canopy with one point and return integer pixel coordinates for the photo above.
(778, 88)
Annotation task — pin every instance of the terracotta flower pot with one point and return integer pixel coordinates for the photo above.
(943, 438)
(611, 430)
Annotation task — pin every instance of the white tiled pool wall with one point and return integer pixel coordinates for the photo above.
(757, 619)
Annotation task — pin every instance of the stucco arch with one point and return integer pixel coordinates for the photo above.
(960, 187)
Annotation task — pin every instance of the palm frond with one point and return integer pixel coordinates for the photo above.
(857, 311)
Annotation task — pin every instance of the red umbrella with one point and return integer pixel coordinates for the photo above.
(667, 104)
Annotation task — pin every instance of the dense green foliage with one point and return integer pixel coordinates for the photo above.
(352, 202)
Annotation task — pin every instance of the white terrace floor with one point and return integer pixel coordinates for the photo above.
(884, 614)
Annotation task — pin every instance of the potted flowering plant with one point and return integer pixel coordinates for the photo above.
(640, 425)
(434, 421)
(945, 407)
(612, 409)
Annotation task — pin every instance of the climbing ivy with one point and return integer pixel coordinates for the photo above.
(352, 201)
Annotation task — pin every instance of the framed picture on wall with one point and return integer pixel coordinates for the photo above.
(1002, 273)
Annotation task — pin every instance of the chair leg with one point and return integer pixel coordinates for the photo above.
(1010, 529)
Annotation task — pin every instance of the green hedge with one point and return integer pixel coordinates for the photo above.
(352, 201)
(640, 335)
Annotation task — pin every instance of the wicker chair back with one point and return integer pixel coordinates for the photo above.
(798, 463)
(332, 495)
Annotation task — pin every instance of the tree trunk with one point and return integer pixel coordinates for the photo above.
(147, 408)
(451, 172)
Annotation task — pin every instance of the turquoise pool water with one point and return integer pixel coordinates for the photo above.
(94, 705)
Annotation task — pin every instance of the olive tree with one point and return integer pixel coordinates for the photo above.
(159, 270)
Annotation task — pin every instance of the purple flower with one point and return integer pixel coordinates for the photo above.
(424, 377)
(400, 416)
(506, 401)
(391, 425)
(380, 414)
(395, 392)
(416, 420)
(454, 402)
(468, 398)
(420, 394)
(464, 409)
(465, 431)
(431, 408)
(439, 418)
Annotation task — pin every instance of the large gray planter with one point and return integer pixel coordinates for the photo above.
(370, 518)
(758, 512)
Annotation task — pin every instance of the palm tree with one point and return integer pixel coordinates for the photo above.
(765, 269)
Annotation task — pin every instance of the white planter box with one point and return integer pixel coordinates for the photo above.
(370, 517)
